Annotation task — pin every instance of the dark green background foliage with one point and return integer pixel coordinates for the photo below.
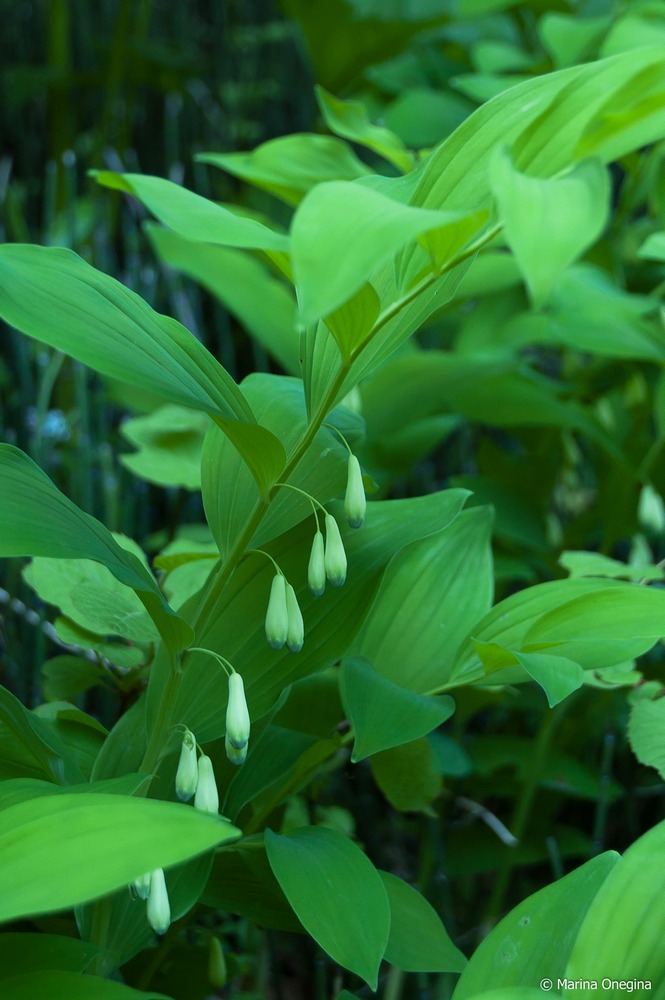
(434, 229)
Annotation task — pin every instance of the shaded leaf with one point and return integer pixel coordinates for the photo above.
(408, 777)
(418, 940)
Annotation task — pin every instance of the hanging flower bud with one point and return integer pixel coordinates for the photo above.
(277, 617)
(335, 556)
(216, 964)
(159, 911)
(355, 503)
(187, 775)
(142, 885)
(236, 756)
(207, 797)
(296, 635)
(316, 571)
(237, 715)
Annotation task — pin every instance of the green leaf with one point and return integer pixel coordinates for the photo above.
(42, 952)
(58, 985)
(65, 677)
(362, 230)
(55, 297)
(169, 443)
(38, 520)
(580, 564)
(17, 790)
(264, 306)
(384, 715)
(192, 216)
(431, 594)
(653, 247)
(291, 165)
(110, 841)
(408, 776)
(315, 863)
(645, 732)
(535, 939)
(418, 940)
(620, 937)
(24, 733)
(569, 38)
(557, 676)
(349, 119)
(565, 215)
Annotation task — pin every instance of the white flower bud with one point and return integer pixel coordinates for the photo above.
(237, 715)
(142, 885)
(207, 796)
(316, 571)
(159, 910)
(235, 756)
(296, 636)
(187, 775)
(335, 556)
(355, 503)
(277, 616)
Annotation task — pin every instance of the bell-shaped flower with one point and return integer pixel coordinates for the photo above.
(207, 796)
(236, 756)
(277, 616)
(296, 634)
(159, 910)
(237, 714)
(355, 503)
(142, 885)
(316, 571)
(335, 556)
(187, 775)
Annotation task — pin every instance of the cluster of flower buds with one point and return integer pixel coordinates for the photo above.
(152, 886)
(284, 621)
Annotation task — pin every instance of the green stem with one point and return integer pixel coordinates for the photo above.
(394, 983)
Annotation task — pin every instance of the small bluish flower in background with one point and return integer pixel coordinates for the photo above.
(277, 616)
(187, 775)
(159, 909)
(207, 797)
(335, 556)
(316, 571)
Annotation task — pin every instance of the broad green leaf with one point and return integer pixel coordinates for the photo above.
(315, 863)
(432, 593)
(349, 119)
(418, 940)
(408, 777)
(535, 939)
(351, 322)
(65, 677)
(597, 623)
(342, 233)
(110, 841)
(603, 108)
(580, 564)
(569, 38)
(22, 789)
(24, 734)
(124, 747)
(54, 296)
(90, 596)
(549, 223)
(264, 306)
(58, 985)
(620, 937)
(384, 715)
(331, 621)
(243, 882)
(42, 952)
(653, 247)
(557, 675)
(646, 729)
(115, 651)
(230, 496)
(633, 31)
(38, 520)
(291, 165)
(192, 216)
(169, 443)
